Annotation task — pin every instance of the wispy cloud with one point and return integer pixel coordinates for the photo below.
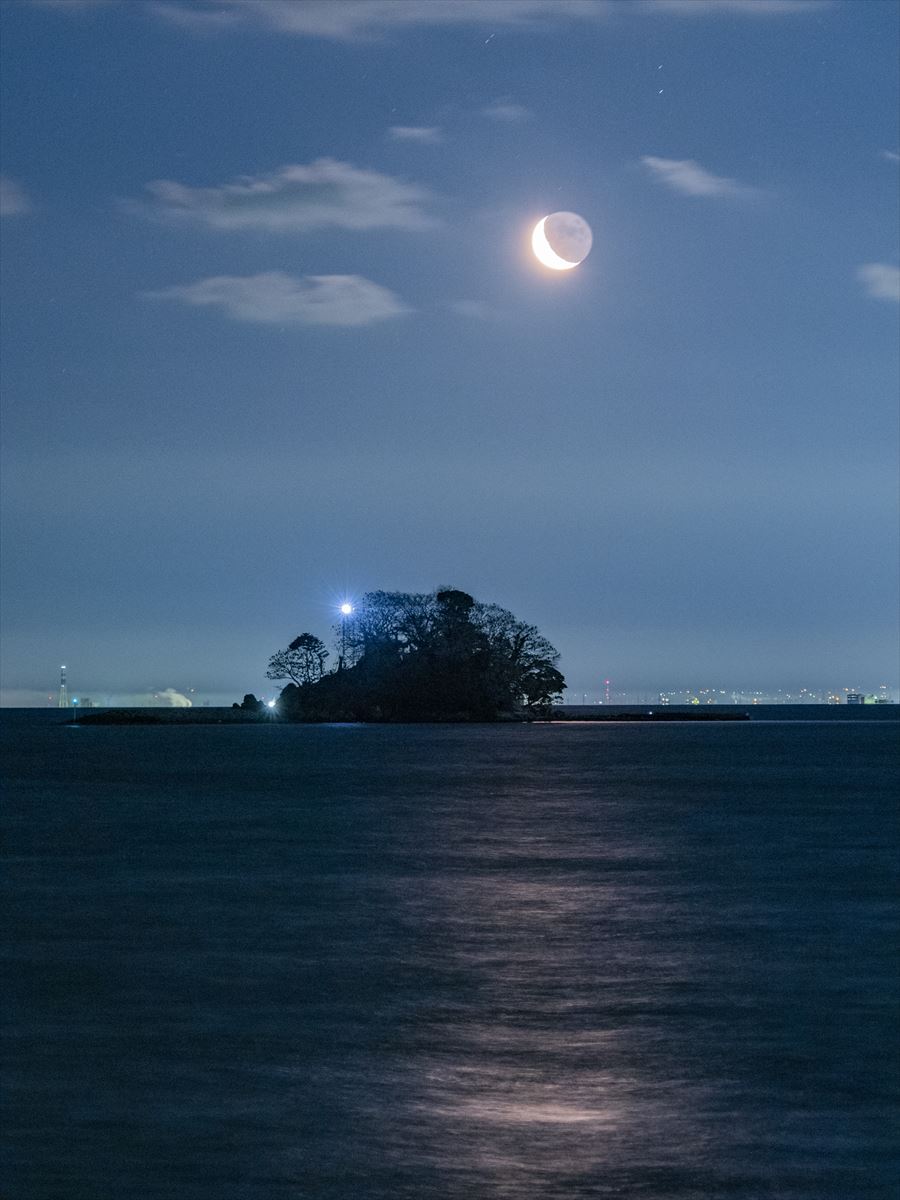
(276, 298)
(296, 198)
(354, 20)
(70, 6)
(881, 281)
(743, 8)
(891, 156)
(13, 198)
(685, 175)
(477, 310)
(351, 20)
(506, 110)
(428, 135)
(200, 19)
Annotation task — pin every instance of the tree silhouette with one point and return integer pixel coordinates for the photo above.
(303, 662)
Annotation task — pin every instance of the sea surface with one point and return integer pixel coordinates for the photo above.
(653, 962)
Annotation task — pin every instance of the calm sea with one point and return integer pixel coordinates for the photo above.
(417, 963)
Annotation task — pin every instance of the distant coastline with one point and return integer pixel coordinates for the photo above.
(582, 714)
(171, 716)
(239, 716)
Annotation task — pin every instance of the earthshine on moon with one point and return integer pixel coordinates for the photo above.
(561, 240)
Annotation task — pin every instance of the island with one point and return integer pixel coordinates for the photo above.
(405, 657)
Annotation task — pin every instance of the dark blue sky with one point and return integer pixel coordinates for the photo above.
(316, 356)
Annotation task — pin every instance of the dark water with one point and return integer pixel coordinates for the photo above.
(638, 961)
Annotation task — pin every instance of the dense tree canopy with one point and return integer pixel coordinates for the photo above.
(436, 656)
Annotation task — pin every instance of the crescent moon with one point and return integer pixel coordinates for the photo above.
(545, 253)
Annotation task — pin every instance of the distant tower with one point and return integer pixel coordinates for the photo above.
(606, 683)
(63, 690)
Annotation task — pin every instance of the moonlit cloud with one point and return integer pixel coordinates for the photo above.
(70, 6)
(428, 135)
(506, 110)
(881, 281)
(13, 198)
(276, 298)
(477, 310)
(296, 198)
(687, 176)
(744, 8)
(355, 20)
(199, 20)
(351, 20)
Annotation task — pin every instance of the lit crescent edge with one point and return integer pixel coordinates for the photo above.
(545, 253)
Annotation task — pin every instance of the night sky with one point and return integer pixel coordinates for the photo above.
(273, 334)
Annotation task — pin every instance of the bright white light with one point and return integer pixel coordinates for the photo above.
(545, 253)
(346, 609)
(271, 703)
(562, 240)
